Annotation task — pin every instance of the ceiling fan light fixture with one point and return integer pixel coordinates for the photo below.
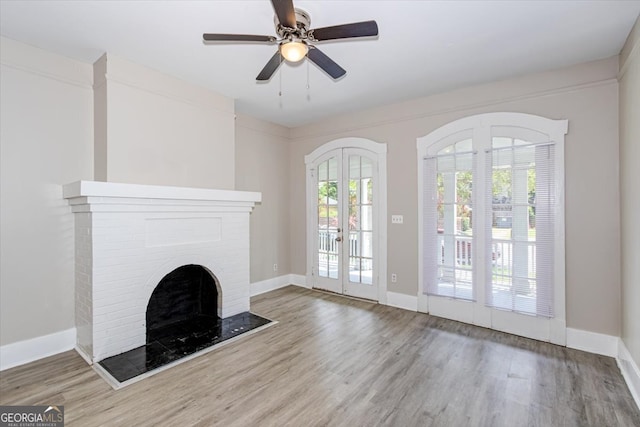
(294, 51)
(296, 40)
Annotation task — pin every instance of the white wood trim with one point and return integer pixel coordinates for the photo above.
(380, 150)
(310, 231)
(382, 226)
(274, 283)
(334, 285)
(404, 301)
(360, 290)
(267, 285)
(84, 355)
(480, 126)
(592, 342)
(630, 371)
(299, 280)
(449, 308)
(138, 191)
(350, 142)
(21, 352)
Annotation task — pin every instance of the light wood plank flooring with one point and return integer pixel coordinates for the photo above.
(341, 362)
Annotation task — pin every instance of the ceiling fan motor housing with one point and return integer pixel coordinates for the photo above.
(303, 22)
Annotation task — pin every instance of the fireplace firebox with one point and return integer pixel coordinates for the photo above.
(185, 301)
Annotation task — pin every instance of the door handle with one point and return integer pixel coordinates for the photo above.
(339, 239)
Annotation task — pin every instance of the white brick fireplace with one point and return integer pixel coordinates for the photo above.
(128, 237)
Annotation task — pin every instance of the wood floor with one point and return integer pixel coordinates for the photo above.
(341, 362)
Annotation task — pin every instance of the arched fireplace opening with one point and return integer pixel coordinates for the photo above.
(183, 305)
(183, 317)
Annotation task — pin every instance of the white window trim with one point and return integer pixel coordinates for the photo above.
(480, 126)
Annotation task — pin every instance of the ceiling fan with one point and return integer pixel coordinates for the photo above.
(296, 40)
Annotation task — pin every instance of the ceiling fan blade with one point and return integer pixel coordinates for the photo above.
(327, 64)
(345, 31)
(271, 67)
(285, 12)
(237, 38)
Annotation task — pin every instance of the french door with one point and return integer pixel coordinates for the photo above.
(343, 220)
(492, 223)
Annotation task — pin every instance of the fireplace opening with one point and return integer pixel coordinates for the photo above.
(182, 319)
(183, 307)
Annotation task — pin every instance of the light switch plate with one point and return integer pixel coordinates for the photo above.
(397, 219)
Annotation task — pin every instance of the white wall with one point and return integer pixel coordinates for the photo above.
(156, 129)
(630, 190)
(46, 140)
(586, 95)
(262, 164)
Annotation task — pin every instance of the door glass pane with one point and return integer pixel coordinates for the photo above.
(360, 220)
(367, 167)
(366, 218)
(514, 256)
(454, 238)
(327, 224)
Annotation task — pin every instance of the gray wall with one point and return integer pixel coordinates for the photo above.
(46, 140)
(262, 164)
(156, 129)
(629, 183)
(586, 95)
(150, 129)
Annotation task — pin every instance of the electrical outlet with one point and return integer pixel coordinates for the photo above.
(275, 267)
(394, 277)
(397, 219)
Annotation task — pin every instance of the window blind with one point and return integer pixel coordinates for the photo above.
(520, 195)
(448, 228)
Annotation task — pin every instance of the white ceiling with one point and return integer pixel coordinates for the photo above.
(424, 47)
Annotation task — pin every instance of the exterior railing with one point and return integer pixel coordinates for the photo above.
(327, 243)
(504, 252)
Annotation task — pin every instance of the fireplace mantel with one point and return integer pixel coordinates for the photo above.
(129, 236)
(95, 189)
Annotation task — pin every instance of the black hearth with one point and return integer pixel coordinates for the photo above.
(182, 319)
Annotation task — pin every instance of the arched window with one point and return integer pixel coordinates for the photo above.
(492, 223)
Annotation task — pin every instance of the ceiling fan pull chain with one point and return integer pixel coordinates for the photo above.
(280, 77)
(308, 85)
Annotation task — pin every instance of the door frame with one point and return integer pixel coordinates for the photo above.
(480, 127)
(378, 151)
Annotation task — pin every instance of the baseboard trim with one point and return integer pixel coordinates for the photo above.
(274, 283)
(404, 301)
(592, 342)
(84, 355)
(299, 280)
(630, 371)
(21, 352)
